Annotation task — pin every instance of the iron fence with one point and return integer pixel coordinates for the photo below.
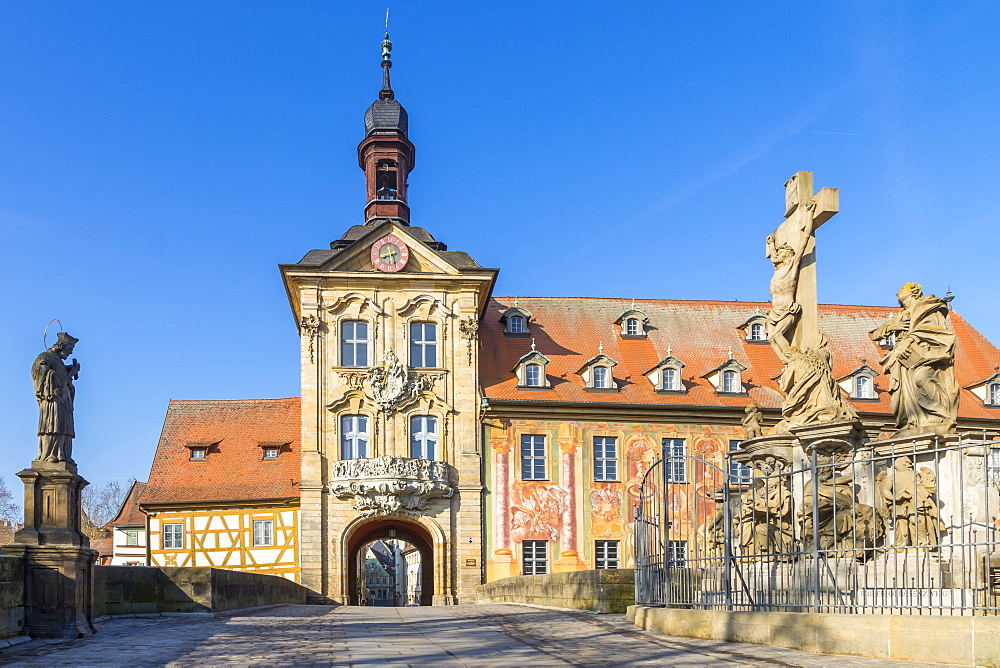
(904, 529)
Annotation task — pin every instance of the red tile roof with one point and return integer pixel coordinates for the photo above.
(104, 546)
(568, 330)
(233, 469)
(129, 514)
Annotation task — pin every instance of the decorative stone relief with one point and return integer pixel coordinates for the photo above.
(470, 329)
(391, 384)
(390, 485)
(310, 327)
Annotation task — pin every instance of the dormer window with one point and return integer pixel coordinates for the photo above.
(198, 451)
(727, 378)
(731, 382)
(666, 376)
(632, 322)
(755, 328)
(671, 379)
(598, 372)
(530, 370)
(889, 341)
(988, 390)
(270, 453)
(270, 450)
(860, 384)
(516, 321)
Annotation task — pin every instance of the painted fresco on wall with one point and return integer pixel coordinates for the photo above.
(606, 519)
(536, 511)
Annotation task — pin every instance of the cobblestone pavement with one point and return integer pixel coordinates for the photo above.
(480, 635)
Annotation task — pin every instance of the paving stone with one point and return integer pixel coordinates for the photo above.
(475, 635)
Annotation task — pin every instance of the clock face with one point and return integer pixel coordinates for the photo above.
(390, 254)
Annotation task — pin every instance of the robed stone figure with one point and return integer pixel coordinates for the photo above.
(921, 364)
(55, 392)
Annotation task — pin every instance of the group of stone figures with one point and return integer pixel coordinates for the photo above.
(766, 525)
(390, 485)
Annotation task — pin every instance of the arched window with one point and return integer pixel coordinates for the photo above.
(353, 437)
(354, 343)
(515, 324)
(995, 394)
(863, 387)
(600, 374)
(757, 331)
(423, 437)
(730, 382)
(670, 379)
(533, 375)
(632, 326)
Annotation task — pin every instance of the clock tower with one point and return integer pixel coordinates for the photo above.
(388, 321)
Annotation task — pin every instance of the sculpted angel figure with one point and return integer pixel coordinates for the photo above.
(921, 364)
(55, 394)
(811, 394)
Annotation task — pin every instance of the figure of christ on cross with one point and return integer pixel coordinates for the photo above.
(792, 320)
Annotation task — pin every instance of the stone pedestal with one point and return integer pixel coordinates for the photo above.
(58, 561)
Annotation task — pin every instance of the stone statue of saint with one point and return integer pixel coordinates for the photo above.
(811, 394)
(910, 504)
(764, 525)
(921, 364)
(55, 392)
(842, 523)
(752, 427)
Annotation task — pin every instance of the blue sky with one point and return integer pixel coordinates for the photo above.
(158, 160)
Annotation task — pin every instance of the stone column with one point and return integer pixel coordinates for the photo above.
(58, 561)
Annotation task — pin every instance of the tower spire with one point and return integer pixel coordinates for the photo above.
(386, 92)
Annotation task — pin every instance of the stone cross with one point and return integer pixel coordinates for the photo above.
(805, 211)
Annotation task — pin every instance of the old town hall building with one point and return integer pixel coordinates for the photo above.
(498, 436)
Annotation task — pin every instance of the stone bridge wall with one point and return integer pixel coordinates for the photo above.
(597, 590)
(11, 597)
(129, 590)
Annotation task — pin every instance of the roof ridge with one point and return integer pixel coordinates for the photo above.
(202, 401)
(689, 301)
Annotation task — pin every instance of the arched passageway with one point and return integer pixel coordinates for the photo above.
(390, 528)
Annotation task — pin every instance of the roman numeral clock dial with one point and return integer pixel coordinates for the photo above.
(390, 254)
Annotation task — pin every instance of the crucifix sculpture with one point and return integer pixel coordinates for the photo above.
(811, 395)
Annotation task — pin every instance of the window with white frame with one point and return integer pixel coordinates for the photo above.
(535, 557)
(353, 437)
(515, 324)
(731, 382)
(674, 460)
(863, 387)
(131, 538)
(532, 457)
(756, 332)
(263, 533)
(423, 437)
(606, 554)
(677, 551)
(993, 394)
(600, 376)
(632, 327)
(533, 375)
(889, 341)
(605, 458)
(423, 344)
(271, 452)
(198, 454)
(354, 343)
(173, 536)
(671, 378)
(739, 474)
